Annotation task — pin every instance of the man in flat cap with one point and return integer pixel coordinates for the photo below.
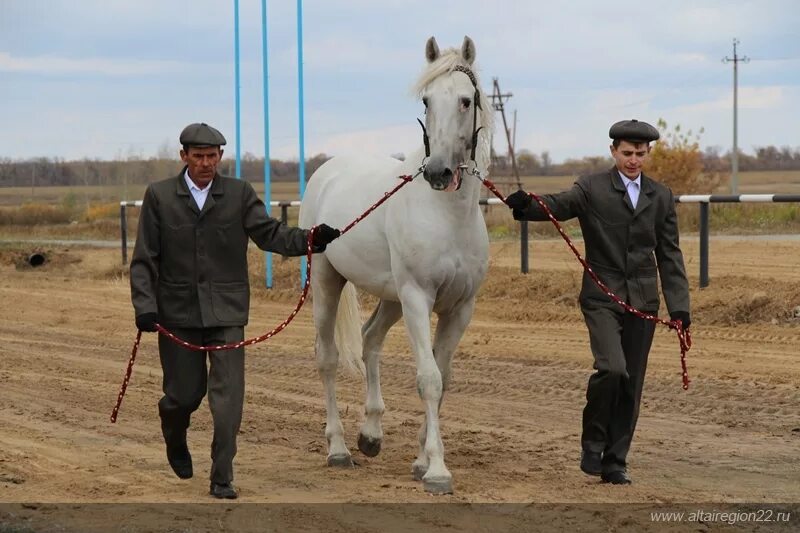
(189, 274)
(630, 232)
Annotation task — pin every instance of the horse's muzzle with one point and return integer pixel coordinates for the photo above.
(446, 180)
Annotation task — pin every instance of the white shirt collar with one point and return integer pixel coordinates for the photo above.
(197, 193)
(627, 181)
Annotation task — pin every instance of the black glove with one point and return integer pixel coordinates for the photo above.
(518, 200)
(323, 236)
(147, 322)
(683, 316)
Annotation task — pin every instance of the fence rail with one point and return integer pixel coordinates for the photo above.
(705, 199)
(702, 199)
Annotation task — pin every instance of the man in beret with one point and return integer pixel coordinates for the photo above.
(630, 232)
(189, 274)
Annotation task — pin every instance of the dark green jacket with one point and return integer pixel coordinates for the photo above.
(625, 247)
(190, 266)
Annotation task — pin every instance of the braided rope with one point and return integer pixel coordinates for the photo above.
(684, 337)
(233, 345)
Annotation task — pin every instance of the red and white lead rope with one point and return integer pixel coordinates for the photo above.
(247, 342)
(684, 337)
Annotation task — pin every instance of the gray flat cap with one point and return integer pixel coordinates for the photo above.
(201, 134)
(633, 131)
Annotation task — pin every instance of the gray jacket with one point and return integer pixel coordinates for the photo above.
(190, 266)
(624, 246)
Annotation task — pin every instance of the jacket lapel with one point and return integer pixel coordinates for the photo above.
(644, 195)
(619, 186)
(182, 190)
(216, 190)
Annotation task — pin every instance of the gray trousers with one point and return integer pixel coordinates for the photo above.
(620, 343)
(186, 380)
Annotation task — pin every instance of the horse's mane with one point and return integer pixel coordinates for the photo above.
(445, 63)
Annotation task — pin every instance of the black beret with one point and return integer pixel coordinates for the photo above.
(633, 131)
(201, 134)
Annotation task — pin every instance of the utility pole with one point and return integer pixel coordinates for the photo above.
(498, 103)
(735, 155)
(514, 136)
(498, 98)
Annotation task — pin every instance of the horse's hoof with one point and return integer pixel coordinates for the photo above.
(418, 472)
(441, 485)
(343, 460)
(369, 446)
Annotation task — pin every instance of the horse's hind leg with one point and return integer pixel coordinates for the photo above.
(449, 330)
(327, 284)
(374, 333)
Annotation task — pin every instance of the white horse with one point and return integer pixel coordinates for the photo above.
(425, 250)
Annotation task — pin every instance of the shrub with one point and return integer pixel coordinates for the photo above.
(33, 214)
(101, 212)
(677, 162)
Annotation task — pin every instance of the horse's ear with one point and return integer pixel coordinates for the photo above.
(468, 50)
(431, 50)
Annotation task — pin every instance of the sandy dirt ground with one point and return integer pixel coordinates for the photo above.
(510, 422)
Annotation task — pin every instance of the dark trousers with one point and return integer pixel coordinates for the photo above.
(620, 344)
(186, 380)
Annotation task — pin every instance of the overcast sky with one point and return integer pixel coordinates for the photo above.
(105, 79)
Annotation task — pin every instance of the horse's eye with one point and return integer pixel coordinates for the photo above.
(465, 103)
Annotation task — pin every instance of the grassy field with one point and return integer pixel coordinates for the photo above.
(17, 196)
(92, 212)
(756, 182)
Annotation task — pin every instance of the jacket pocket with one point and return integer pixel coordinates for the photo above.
(591, 294)
(648, 285)
(230, 301)
(173, 302)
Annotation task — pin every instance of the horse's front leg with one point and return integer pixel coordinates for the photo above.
(374, 333)
(327, 285)
(417, 306)
(449, 330)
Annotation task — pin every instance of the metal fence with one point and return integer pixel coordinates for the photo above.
(701, 199)
(705, 199)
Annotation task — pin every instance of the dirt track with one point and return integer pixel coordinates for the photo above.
(510, 422)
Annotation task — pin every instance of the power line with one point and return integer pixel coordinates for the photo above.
(734, 155)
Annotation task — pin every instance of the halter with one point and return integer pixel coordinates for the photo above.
(475, 105)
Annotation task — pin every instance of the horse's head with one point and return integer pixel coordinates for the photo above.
(455, 110)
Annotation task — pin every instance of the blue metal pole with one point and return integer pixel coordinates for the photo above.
(267, 176)
(236, 88)
(301, 168)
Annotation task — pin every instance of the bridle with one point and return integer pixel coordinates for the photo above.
(476, 104)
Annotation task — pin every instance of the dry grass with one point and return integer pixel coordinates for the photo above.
(784, 181)
(91, 212)
(78, 195)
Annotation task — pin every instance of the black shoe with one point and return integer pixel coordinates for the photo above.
(591, 463)
(180, 460)
(223, 490)
(617, 477)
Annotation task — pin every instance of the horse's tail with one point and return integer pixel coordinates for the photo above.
(347, 333)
